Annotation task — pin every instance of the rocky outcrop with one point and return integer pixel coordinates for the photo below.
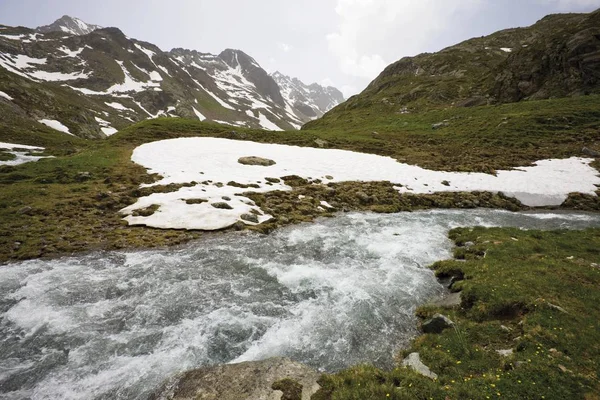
(245, 381)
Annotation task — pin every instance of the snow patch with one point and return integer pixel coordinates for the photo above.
(198, 114)
(267, 124)
(215, 161)
(56, 125)
(5, 96)
(118, 106)
(506, 49)
(23, 153)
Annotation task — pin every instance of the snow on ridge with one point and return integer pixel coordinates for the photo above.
(71, 53)
(198, 114)
(58, 76)
(105, 127)
(56, 125)
(118, 106)
(214, 162)
(267, 124)
(129, 83)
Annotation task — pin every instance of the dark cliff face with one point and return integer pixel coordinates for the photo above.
(562, 63)
(254, 73)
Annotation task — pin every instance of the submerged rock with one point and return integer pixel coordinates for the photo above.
(437, 324)
(245, 381)
(413, 361)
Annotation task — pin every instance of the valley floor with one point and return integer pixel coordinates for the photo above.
(539, 286)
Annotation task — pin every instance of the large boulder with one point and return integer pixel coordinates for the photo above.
(252, 160)
(245, 381)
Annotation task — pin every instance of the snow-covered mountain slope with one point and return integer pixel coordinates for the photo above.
(308, 101)
(98, 82)
(68, 24)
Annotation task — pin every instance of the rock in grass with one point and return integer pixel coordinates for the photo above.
(437, 324)
(413, 361)
(505, 353)
(222, 206)
(250, 218)
(252, 160)
(590, 152)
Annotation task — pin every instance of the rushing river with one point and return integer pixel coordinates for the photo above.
(114, 325)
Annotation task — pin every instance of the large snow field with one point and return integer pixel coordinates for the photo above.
(212, 163)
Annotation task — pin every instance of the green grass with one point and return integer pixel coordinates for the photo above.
(509, 301)
(485, 138)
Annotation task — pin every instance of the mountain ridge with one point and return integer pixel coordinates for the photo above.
(108, 81)
(556, 57)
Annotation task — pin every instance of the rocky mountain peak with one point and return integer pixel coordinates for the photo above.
(71, 25)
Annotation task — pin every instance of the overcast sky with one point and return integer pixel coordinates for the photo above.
(345, 43)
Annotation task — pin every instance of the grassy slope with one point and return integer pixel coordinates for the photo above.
(482, 139)
(522, 277)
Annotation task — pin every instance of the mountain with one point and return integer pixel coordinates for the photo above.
(312, 101)
(90, 82)
(68, 24)
(558, 56)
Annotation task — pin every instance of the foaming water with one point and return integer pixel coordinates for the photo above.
(330, 294)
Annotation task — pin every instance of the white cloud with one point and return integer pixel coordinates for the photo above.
(286, 48)
(372, 33)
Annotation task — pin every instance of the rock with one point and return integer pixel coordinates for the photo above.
(445, 183)
(273, 180)
(263, 162)
(469, 244)
(245, 381)
(437, 324)
(25, 210)
(439, 125)
(590, 152)
(450, 301)
(505, 328)
(413, 361)
(363, 197)
(222, 206)
(505, 353)
(321, 143)
(250, 218)
(226, 198)
(83, 176)
(328, 177)
(557, 308)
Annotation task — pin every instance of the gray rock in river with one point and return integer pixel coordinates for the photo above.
(437, 324)
(245, 381)
(413, 361)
